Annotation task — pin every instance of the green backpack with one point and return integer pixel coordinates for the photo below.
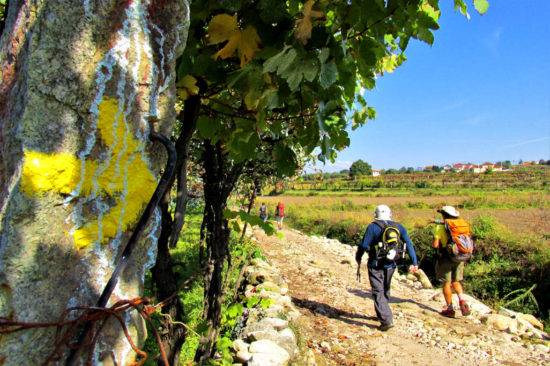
(389, 246)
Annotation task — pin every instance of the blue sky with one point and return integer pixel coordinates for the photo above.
(480, 93)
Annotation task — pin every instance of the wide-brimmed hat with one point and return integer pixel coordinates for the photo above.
(449, 210)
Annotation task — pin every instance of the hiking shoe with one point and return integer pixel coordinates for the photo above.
(385, 327)
(464, 308)
(449, 313)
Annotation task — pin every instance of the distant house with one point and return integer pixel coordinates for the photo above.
(497, 168)
(475, 168)
(375, 173)
(447, 168)
(460, 167)
(486, 166)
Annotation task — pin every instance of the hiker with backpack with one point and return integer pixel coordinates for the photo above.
(280, 214)
(454, 244)
(386, 242)
(263, 212)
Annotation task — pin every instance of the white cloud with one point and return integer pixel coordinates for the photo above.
(444, 109)
(527, 142)
(492, 40)
(337, 166)
(475, 120)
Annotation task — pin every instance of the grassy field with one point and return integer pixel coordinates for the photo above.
(519, 212)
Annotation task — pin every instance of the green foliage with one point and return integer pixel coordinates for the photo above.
(522, 298)
(359, 167)
(348, 232)
(281, 99)
(485, 228)
(223, 346)
(253, 220)
(422, 184)
(187, 255)
(422, 238)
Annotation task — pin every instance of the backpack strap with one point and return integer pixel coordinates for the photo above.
(382, 224)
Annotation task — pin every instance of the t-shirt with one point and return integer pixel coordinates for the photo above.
(441, 234)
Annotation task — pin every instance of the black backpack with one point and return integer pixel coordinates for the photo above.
(389, 246)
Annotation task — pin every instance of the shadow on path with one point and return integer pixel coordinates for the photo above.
(393, 299)
(334, 313)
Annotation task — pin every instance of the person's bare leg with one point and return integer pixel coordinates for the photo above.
(448, 292)
(457, 286)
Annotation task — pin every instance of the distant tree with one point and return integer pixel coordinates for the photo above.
(344, 171)
(542, 162)
(410, 170)
(359, 168)
(403, 170)
(391, 171)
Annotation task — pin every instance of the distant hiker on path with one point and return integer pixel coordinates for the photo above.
(280, 214)
(450, 272)
(263, 212)
(385, 242)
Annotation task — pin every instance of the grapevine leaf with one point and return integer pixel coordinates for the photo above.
(329, 74)
(236, 226)
(371, 113)
(430, 16)
(249, 44)
(187, 86)
(460, 4)
(301, 69)
(481, 6)
(207, 127)
(323, 56)
(223, 27)
(424, 34)
(253, 220)
(281, 61)
(305, 25)
(285, 159)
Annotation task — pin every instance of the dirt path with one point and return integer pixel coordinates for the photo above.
(339, 323)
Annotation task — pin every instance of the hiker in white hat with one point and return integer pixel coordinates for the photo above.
(448, 271)
(385, 242)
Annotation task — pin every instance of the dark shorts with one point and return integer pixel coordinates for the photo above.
(448, 271)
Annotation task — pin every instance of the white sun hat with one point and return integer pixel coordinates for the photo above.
(382, 212)
(449, 210)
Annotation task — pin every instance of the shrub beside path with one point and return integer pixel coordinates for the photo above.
(338, 325)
